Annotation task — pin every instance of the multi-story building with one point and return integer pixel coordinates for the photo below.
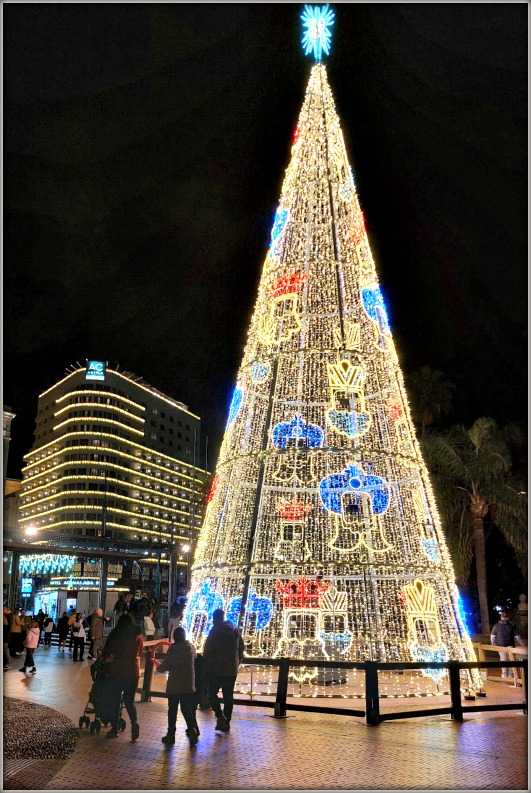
(117, 460)
(8, 418)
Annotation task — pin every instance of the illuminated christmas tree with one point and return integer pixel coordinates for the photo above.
(321, 518)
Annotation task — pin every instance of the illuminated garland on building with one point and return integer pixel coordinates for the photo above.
(44, 563)
(322, 504)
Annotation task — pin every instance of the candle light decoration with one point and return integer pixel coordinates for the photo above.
(322, 514)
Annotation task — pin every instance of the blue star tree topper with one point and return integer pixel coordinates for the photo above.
(317, 37)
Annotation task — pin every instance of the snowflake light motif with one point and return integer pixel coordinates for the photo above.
(317, 36)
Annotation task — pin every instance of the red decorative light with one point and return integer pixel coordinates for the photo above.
(298, 132)
(213, 488)
(358, 230)
(395, 410)
(302, 593)
(288, 284)
(294, 510)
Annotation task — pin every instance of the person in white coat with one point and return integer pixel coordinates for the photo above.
(149, 626)
(79, 633)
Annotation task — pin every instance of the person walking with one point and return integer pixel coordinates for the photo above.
(180, 687)
(122, 650)
(120, 606)
(6, 637)
(16, 641)
(223, 653)
(175, 620)
(79, 633)
(503, 634)
(47, 626)
(96, 633)
(71, 619)
(62, 630)
(31, 642)
(149, 626)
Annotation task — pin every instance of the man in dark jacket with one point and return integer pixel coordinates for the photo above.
(503, 634)
(223, 653)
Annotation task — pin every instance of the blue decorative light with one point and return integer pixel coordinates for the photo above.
(374, 306)
(203, 601)
(261, 606)
(426, 654)
(281, 218)
(35, 564)
(260, 372)
(235, 405)
(341, 640)
(353, 479)
(431, 549)
(317, 36)
(309, 435)
(348, 422)
(462, 613)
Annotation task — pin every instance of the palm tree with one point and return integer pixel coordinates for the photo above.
(473, 479)
(431, 396)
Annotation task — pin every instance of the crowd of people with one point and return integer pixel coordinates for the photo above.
(192, 679)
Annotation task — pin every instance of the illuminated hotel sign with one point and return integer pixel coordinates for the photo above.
(95, 370)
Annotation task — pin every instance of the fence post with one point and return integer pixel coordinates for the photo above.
(455, 691)
(372, 695)
(282, 688)
(145, 694)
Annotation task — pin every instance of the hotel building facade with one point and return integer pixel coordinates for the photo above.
(114, 458)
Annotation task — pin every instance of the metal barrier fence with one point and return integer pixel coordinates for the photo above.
(372, 697)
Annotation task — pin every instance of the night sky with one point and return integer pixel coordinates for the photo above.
(144, 152)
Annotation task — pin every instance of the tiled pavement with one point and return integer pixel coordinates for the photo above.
(304, 751)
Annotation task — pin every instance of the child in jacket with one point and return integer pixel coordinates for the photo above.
(179, 663)
(30, 643)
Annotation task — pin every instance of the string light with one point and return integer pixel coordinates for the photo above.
(322, 504)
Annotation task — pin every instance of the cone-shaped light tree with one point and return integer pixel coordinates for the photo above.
(321, 537)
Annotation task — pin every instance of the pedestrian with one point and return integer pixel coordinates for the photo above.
(40, 617)
(16, 642)
(96, 633)
(79, 633)
(143, 608)
(503, 634)
(119, 606)
(7, 636)
(88, 630)
(25, 624)
(149, 626)
(48, 626)
(30, 643)
(223, 653)
(180, 687)
(62, 630)
(175, 620)
(122, 650)
(71, 620)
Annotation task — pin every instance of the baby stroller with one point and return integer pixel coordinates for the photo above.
(102, 700)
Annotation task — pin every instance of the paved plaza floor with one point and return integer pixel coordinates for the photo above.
(305, 751)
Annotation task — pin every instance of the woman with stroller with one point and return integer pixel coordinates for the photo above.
(123, 648)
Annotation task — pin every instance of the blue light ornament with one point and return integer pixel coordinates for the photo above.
(204, 600)
(353, 479)
(317, 36)
(235, 405)
(261, 606)
(309, 435)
